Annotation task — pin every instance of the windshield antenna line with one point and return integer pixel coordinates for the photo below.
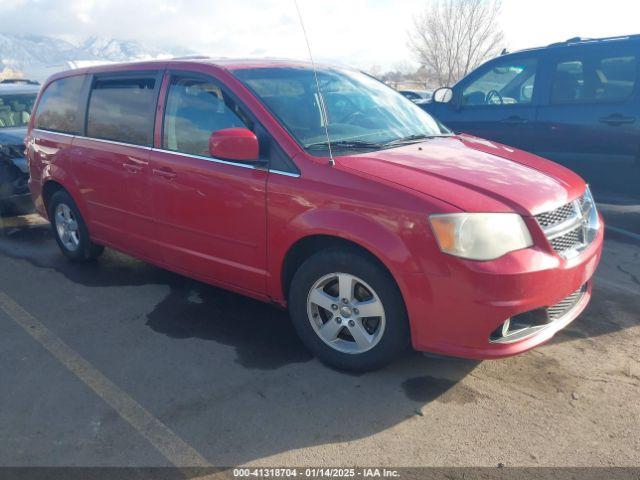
(323, 109)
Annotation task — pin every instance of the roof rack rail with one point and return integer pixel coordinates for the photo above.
(18, 81)
(191, 57)
(574, 40)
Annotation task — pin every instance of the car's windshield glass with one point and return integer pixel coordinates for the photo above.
(362, 112)
(15, 109)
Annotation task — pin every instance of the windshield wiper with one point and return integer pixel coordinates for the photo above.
(347, 144)
(414, 139)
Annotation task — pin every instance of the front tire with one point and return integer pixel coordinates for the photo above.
(348, 310)
(70, 229)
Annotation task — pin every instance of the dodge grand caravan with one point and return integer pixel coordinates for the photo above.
(394, 231)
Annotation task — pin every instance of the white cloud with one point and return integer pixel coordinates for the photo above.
(362, 33)
(541, 22)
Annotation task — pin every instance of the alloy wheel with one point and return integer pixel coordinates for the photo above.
(67, 227)
(346, 313)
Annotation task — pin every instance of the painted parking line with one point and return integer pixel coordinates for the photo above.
(172, 447)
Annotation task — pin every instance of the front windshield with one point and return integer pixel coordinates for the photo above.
(362, 112)
(15, 109)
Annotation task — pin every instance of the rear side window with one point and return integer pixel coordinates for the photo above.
(195, 109)
(122, 110)
(594, 78)
(59, 107)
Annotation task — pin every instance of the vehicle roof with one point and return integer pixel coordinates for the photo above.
(223, 63)
(575, 41)
(245, 63)
(16, 89)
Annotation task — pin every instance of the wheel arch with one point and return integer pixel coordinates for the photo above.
(48, 189)
(54, 179)
(309, 245)
(320, 230)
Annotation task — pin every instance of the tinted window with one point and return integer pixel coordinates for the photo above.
(15, 109)
(122, 110)
(195, 109)
(59, 107)
(504, 83)
(594, 78)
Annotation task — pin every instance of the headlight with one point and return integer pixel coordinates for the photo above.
(591, 219)
(480, 236)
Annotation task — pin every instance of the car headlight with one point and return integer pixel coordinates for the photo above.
(480, 236)
(591, 219)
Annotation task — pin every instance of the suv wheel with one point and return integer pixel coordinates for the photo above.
(70, 230)
(348, 310)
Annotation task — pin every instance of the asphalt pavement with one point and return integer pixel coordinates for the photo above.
(119, 363)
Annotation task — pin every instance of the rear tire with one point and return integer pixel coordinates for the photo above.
(70, 229)
(348, 310)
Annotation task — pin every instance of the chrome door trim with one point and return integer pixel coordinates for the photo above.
(113, 142)
(38, 130)
(223, 162)
(208, 159)
(171, 152)
(285, 174)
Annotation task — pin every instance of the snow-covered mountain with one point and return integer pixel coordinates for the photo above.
(121, 50)
(38, 56)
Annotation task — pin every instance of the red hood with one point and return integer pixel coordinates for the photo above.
(474, 174)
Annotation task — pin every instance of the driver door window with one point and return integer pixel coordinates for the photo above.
(508, 83)
(195, 109)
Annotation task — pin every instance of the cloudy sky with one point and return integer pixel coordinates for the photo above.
(361, 33)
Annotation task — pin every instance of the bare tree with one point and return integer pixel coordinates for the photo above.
(452, 37)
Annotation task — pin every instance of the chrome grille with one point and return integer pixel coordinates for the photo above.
(564, 306)
(557, 216)
(568, 240)
(566, 226)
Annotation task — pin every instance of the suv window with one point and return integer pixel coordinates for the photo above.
(411, 95)
(196, 108)
(15, 109)
(594, 78)
(504, 83)
(59, 107)
(122, 110)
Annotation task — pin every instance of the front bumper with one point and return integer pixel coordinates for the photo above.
(462, 309)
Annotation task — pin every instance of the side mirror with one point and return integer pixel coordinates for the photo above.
(443, 95)
(236, 144)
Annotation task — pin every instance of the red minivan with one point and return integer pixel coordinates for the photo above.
(335, 197)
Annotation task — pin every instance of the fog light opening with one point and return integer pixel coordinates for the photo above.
(520, 326)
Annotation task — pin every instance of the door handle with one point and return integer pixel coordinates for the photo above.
(515, 120)
(616, 120)
(131, 168)
(165, 173)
